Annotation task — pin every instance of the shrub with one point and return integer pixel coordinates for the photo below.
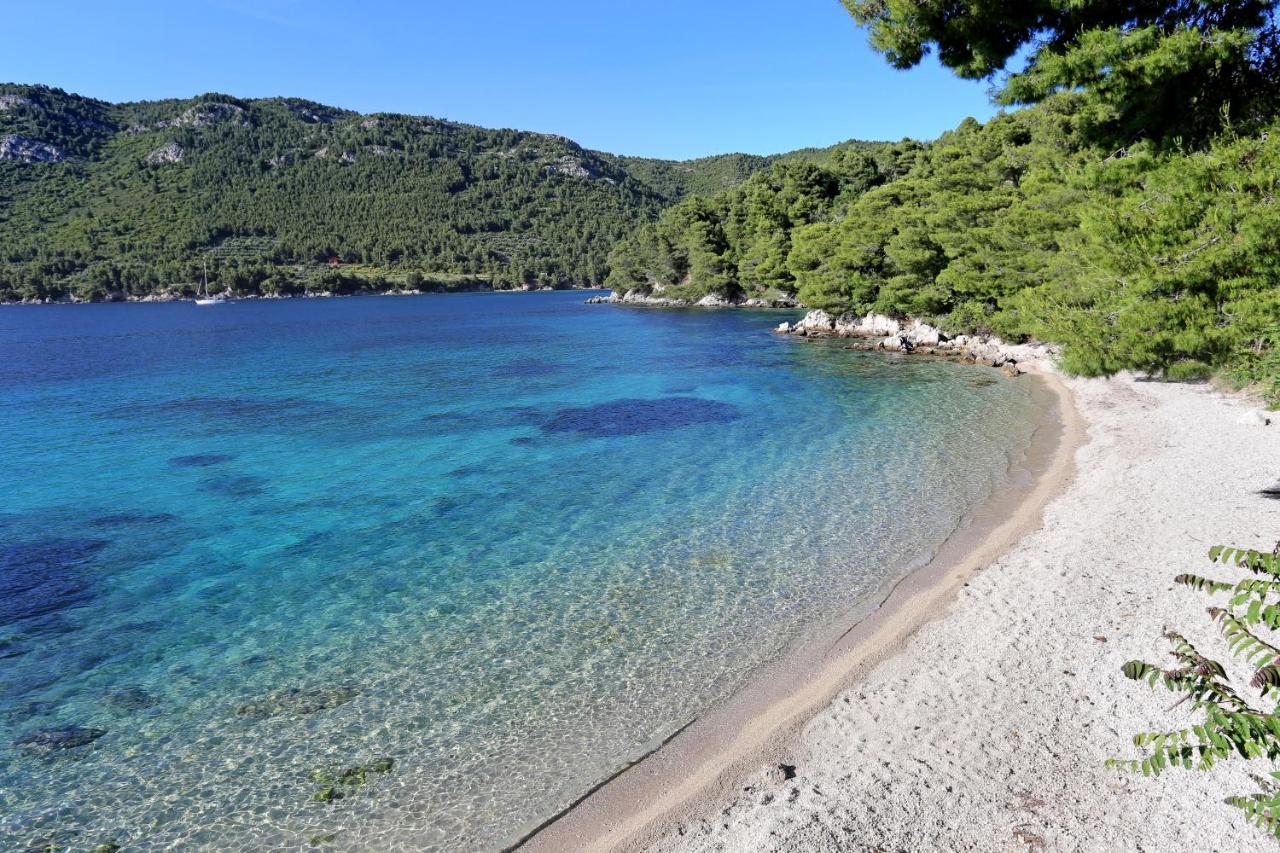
(1232, 726)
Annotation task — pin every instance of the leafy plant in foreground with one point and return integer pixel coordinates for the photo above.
(1232, 726)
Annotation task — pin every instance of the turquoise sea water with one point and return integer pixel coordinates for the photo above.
(508, 541)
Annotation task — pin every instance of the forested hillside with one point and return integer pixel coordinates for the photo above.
(1127, 207)
(99, 199)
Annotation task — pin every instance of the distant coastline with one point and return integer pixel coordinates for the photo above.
(123, 298)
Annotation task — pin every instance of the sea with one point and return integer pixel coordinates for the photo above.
(415, 573)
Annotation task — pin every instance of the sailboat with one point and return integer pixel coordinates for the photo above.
(203, 296)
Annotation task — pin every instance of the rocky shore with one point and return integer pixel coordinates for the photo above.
(711, 300)
(117, 296)
(879, 332)
(870, 332)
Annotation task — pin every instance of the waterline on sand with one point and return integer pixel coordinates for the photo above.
(702, 762)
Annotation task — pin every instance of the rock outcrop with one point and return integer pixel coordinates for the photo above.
(711, 300)
(28, 150)
(636, 297)
(8, 102)
(715, 300)
(570, 167)
(345, 157)
(879, 332)
(207, 115)
(309, 113)
(170, 152)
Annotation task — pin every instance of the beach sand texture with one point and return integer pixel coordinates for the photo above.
(989, 728)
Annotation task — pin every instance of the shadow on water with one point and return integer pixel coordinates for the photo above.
(240, 414)
(235, 486)
(611, 419)
(636, 416)
(39, 580)
(200, 460)
(132, 518)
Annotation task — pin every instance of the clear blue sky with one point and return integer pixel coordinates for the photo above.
(648, 77)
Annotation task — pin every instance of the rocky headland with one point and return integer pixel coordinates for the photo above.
(911, 335)
(870, 332)
(711, 300)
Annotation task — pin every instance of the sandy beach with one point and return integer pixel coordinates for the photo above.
(977, 710)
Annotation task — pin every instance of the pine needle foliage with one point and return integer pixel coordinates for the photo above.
(1233, 725)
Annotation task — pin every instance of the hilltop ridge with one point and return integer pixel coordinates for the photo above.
(102, 200)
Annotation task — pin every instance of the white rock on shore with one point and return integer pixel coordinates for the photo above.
(711, 300)
(912, 334)
(714, 300)
(635, 297)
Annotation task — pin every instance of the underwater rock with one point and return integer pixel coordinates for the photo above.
(38, 580)
(353, 776)
(635, 416)
(130, 698)
(133, 518)
(294, 700)
(336, 786)
(56, 738)
(244, 486)
(56, 842)
(327, 794)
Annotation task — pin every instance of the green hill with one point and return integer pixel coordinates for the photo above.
(99, 198)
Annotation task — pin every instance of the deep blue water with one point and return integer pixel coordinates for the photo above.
(508, 541)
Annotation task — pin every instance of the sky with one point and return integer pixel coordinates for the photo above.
(657, 78)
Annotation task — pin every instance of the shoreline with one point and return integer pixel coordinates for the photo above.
(260, 297)
(701, 762)
(989, 727)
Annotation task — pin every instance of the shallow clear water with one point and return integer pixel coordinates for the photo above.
(509, 541)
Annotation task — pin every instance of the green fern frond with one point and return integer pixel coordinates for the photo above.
(1262, 814)
(1202, 584)
(1231, 726)
(1258, 562)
